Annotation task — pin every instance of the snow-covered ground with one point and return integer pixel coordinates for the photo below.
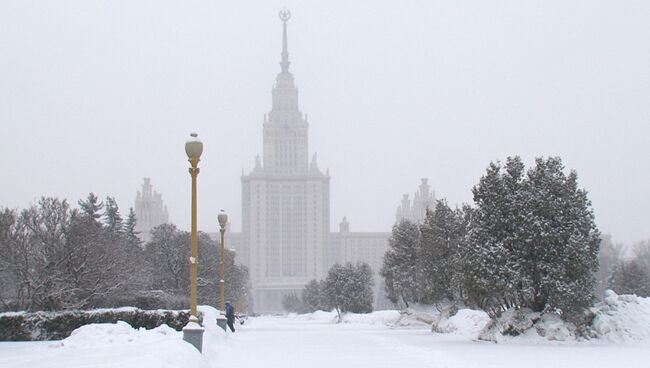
(380, 339)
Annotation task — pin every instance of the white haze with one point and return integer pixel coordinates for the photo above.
(95, 95)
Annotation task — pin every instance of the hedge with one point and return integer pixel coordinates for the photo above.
(43, 326)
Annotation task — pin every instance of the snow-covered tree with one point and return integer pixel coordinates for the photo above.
(129, 229)
(560, 241)
(609, 257)
(642, 254)
(113, 219)
(361, 286)
(91, 208)
(630, 277)
(348, 288)
(311, 297)
(292, 304)
(490, 263)
(40, 254)
(532, 242)
(237, 282)
(98, 265)
(167, 255)
(439, 253)
(399, 268)
(10, 295)
(58, 258)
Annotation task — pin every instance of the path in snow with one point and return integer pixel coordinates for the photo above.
(282, 342)
(286, 342)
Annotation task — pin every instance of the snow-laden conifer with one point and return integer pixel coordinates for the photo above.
(532, 242)
(399, 268)
(311, 297)
(348, 288)
(438, 259)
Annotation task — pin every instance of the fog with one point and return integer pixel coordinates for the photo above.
(95, 95)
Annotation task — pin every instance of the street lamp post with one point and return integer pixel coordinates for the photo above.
(223, 220)
(193, 332)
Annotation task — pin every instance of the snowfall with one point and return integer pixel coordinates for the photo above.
(379, 339)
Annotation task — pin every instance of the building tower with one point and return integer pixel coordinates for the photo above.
(424, 199)
(149, 210)
(285, 200)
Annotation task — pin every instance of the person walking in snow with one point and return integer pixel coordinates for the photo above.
(230, 316)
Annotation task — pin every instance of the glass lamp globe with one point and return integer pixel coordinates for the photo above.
(194, 147)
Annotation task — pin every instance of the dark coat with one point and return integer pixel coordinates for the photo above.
(230, 311)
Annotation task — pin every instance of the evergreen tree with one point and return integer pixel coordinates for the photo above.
(439, 254)
(112, 214)
(532, 240)
(560, 242)
(608, 258)
(360, 287)
(129, 229)
(348, 288)
(292, 304)
(630, 277)
(490, 265)
(311, 296)
(91, 208)
(399, 266)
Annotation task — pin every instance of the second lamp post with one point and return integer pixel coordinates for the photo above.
(223, 220)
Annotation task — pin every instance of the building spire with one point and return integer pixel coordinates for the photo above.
(285, 15)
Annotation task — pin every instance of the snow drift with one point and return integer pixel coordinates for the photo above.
(618, 319)
(622, 318)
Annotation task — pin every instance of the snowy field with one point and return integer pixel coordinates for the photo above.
(380, 339)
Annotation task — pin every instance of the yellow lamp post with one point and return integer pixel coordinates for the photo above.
(193, 332)
(223, 220)
(193, 148)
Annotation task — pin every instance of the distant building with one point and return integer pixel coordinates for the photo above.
(415, 212)
(149, 210)
(286, 240)
(285, 201)
(346, 246)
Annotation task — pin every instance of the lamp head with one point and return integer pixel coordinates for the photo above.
(222, 217)
(194, 147)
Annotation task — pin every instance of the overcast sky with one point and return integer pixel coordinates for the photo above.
(96, 95)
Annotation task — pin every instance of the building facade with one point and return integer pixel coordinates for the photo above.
(150, 211)
(285, 201)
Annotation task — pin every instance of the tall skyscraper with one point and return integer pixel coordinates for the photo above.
(285, 200)
(150, 210)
